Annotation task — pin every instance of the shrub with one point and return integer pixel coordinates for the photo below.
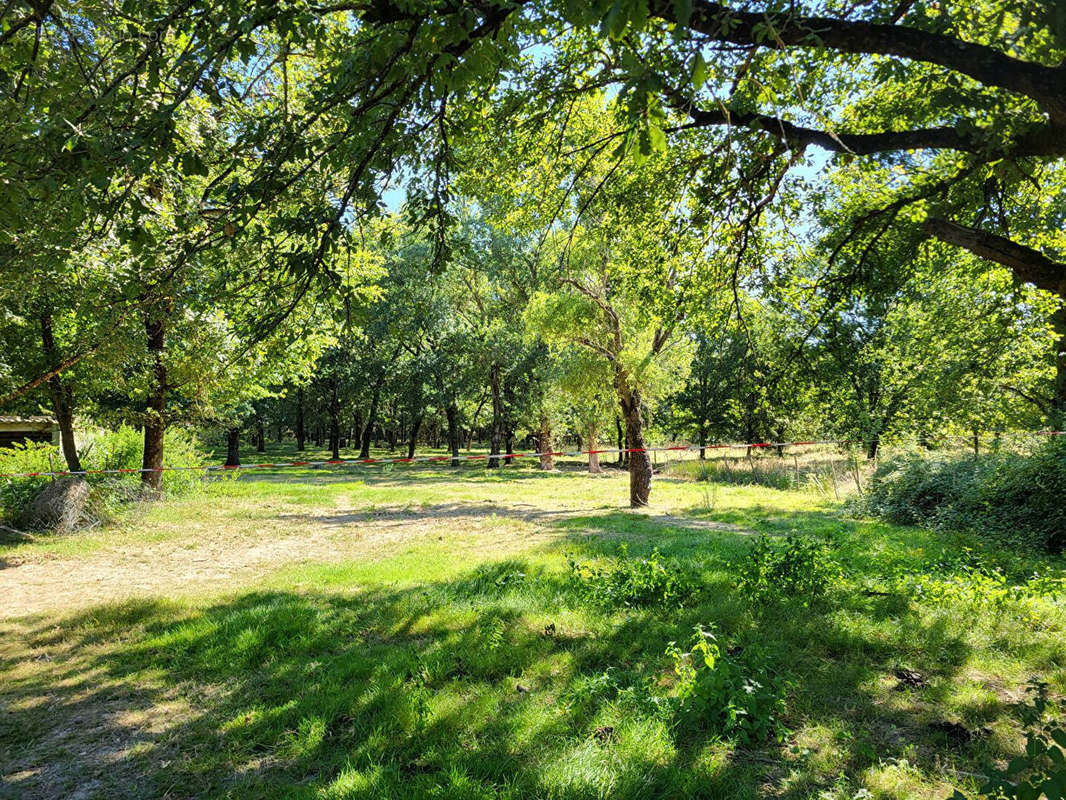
(628, 581)
(800, 571)
(16, 494)
(1009, 498)
(107, 450)
(716, 691)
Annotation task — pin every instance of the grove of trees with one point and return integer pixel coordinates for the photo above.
(429, 223)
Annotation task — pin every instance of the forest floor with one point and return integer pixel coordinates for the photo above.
(407, 632)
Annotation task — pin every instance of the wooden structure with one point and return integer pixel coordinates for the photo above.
(20, 430)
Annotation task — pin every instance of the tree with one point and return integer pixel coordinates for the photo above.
(939, 350)
(585, 380)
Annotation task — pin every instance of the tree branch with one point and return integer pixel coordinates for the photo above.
(1044, 141)
(1027, 264)
(984, 64)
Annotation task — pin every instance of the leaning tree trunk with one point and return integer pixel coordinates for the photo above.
(301, 434)
(544, 444)
(872, 445)
(451, 411)
(621, 439)
(639, 461)
(62, 398)
(233, 447)
(594, 458)
(155, 421)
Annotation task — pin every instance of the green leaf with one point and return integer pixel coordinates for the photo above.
(656, 138)
(699, 71)
(683, 12)
(614, 24)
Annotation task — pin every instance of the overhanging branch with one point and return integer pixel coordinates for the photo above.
(1041, 142)
(1027, 264)
(984, 64)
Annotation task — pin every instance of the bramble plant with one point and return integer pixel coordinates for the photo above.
(716, 691)
(800, 572)
(1011, 499)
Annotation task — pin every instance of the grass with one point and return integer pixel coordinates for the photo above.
(416, 633)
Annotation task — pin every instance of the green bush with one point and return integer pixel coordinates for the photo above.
(800, 571)
(1009, 498)
(107, 450)
(741, 699)
(16, 494)
(123, 449)
(629, 581)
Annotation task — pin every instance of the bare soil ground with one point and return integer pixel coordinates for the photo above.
(225, 547)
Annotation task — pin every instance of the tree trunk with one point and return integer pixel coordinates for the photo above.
(620, 461)
(301, 434)
(62, 398)
(703, 444)
(155, 420)
(1057, 416)
(451, 411)
(334, 422)
(872, 445)
(508, 444)
(233, 447)
(544, 444)
(260, 433)
(368, 431)
(639, 462)
(416, 423)
(497, 434)
(594, 458)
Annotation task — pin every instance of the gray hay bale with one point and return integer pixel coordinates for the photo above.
(60, 506)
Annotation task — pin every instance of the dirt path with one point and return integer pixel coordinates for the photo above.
(212, 554)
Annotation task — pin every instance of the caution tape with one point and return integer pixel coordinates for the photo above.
(502, 457)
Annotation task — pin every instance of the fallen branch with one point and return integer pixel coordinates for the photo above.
(14, 533)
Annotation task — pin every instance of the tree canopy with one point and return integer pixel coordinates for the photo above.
(385, 208)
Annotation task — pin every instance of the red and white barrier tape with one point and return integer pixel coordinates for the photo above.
(505, 457)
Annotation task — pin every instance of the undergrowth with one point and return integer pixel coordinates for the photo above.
(800, 571)
(106, 450)
(1014, 500)
(630, 581)
(736, 695)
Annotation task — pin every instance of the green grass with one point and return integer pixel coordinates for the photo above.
(449, 653)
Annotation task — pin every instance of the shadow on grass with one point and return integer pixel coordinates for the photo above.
(489, 685)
